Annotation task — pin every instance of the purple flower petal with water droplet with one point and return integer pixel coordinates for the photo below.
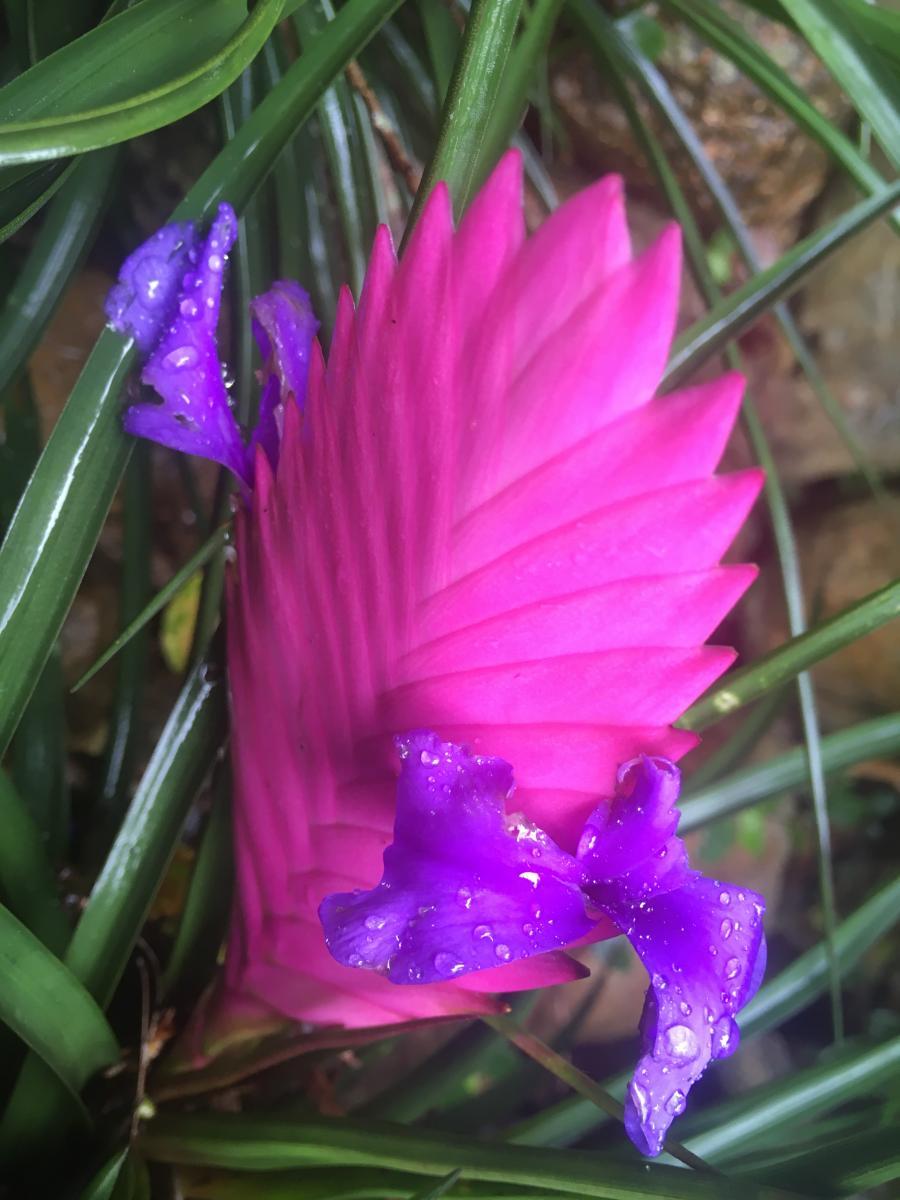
(284, 327)
(184, 368)
(145, 299)
(464, 886)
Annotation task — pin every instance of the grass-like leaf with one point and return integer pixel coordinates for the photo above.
(85, 95)
(794, 656)
(50, 1010)
(255, 1142)
(26, 877)
(870, 82)
(878, 738)
(470, 102)
(737, 311)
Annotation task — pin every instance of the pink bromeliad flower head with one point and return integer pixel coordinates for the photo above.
(477, 563)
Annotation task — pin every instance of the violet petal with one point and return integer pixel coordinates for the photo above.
(184, 368)
(464, 886)
(145, 299)
(704, 948)
(628, 847)
(284, 327)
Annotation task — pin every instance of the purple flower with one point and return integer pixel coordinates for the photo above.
(168, 299)
(466, 887)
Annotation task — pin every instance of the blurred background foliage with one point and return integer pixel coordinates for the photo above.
(771, 130)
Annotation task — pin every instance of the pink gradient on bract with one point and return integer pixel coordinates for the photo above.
(483, 523)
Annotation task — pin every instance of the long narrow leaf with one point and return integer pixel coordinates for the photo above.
(795, 656)
(878, 738)
(739, 309)
(49, 1008)
(470, 102)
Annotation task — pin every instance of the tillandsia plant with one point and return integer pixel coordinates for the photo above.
(457, 523)
(366, 871)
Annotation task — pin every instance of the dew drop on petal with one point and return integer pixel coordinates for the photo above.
(732, 968)
(726, 928)
(659, 982)
(427, 759)
(640, 1098)
(528, 930)
(184, 356)
(725, 898)
(676, 1103)
(685, 1009)
(447, 964)
(482, 931)
(681, 1042)
(725, 1037)
(374, 922)
(503, 952)
(464, 897)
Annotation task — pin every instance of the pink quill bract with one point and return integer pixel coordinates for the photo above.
(481, 523)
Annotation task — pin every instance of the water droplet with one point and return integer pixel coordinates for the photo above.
(184, 356)
(464, 897)
(685, 1009)
(713, 951)
(732, 968)
(681, 1042)
(188, 308)
(725, 898)
(482, 931)
(726, 1036)
(676, 1103)
(448, 964)
(640, 1098)
(214, 262)
(374, 922)
(741, 897)
(531, 877)
(663, 852)
(659, 982)
(427, 759)
(148, 276)
(528, 930)
(503, 952)
(414, 974)
(355, 960)
(726, 928)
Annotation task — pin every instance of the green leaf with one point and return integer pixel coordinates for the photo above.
(66, 236)
(56, 526)
(518, 79)
(213, 545)
(738, 310)
(49, 1009)
(122, 894)
(26, 878)
(798, 985)
(867, 79)
(741, 1124)
(132, 665)
(201, 930)
(440, 1188)
(251, 1141)
(793, 657)
(81, 98)
(102, 1185)
(656, 87)
(470, 102)
(878, 738)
